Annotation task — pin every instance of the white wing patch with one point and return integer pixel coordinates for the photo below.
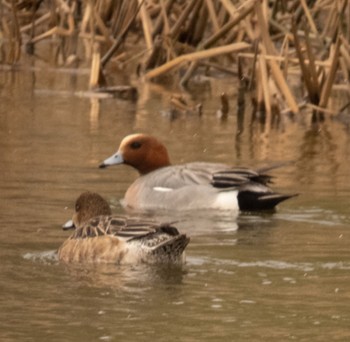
(162, 189)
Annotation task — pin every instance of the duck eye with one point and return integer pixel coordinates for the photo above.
(77, 207)
(135, 145)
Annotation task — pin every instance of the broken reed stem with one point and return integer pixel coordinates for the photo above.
(315, 88)
(59, 30)
(146, 25)
(92, 28)
(162, 19)
(305, 71)
(175, 31)
(321, 109)
(120, 38)
(327, 87)
(268, 47)
(101, 26)
(227, 27)
(45, 17)
(279, 59)
(95, 67)
(214, 38)
(309, 17)
(195, 56)
(183, 24)
(212, 15)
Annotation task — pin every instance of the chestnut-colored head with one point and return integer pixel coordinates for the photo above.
(87, 206)
(143, 152)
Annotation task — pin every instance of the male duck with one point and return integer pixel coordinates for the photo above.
(196, 185)
(100, 237)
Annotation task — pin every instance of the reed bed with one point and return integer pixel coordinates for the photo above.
(267, 44)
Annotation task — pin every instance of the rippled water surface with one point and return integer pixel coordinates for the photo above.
(262, 276)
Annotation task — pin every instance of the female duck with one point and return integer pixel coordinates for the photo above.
(100, 237)
(196, 185)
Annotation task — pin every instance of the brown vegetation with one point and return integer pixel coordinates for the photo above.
(271, 42)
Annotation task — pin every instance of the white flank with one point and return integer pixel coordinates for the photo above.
(226, 200)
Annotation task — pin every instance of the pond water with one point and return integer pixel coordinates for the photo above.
(260, 276)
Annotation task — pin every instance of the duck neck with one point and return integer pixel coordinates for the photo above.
(154, 160)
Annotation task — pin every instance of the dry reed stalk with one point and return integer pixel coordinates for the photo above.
(262, 67)
(201, 25)
(309, 17)
(66, 15)
(327, 87)
(268, 48)
(331, 19)
(175, 31)
(41, 20)
(89, 28)
(212, 15)
(259, 93)
(163, 18)
(347, 19)
(345, 56)
(284, 30)
(308, 72)
(195, 56)
(15, 34)
(222, 15)
(241, 13)
(104, 8)
(277, 102)
(156, 54)
(245, 11)
(255, 58)
(246, 24)
(95, 67)
(120, 16)
(180, 104)
(194, 29)
(285, 53)
(146, 24)
(101, 26)
(6, 34)
(345, 51)
(315, 87)
(119, 40)
(241, 86)
(292, 60)
(344, 69)
(86, 19)
(320, 109)
(222, 113)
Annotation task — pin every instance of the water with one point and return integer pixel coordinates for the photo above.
(262, 276)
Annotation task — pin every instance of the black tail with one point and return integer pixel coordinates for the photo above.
(255, 201)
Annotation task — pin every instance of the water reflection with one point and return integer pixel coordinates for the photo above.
(255, 276)
(126, 278)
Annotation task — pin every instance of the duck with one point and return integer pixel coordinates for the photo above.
(190, 186)
(100, 237)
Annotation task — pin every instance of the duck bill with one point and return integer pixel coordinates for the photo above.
(68, 225)
(116, 159)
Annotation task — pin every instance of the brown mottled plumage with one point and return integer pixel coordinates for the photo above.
(101, 237)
